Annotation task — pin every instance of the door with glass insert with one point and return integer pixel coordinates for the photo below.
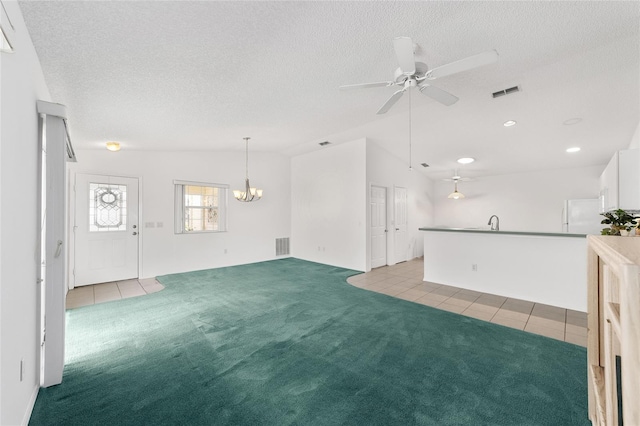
(106, 229)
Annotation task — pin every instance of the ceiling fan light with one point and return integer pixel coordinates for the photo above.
(259, 193)
(237, 193)
(455, 195)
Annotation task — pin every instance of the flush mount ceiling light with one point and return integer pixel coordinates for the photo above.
(573, 149)
(249, 193)
(572, 121)
(509, 123)
(466, 160)
(113, 146)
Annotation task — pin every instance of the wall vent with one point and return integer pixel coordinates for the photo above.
(282, 246)
(325, 143)
(508, 91)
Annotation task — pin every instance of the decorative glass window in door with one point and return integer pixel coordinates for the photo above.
(107, 207)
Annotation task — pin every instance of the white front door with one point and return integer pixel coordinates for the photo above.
(106, 229)
(400, 218)
(378, 206)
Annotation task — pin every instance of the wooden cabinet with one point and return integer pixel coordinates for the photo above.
(620, 182)
(613, 338)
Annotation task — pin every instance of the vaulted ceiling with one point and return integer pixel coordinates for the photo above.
(183, 75)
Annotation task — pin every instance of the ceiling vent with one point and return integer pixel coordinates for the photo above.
(508, 91)
(424, 164)
(325, 143)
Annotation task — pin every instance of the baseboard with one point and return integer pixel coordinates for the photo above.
(32, 403)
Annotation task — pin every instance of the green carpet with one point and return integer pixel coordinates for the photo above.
(290, 342)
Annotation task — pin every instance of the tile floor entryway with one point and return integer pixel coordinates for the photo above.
(404, 281)
(106, 292)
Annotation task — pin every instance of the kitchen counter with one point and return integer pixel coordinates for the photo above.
(547, 268)
(488, 231)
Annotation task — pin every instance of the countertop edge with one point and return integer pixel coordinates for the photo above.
(486, 231)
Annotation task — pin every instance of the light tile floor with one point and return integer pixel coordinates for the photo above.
(404, 281)
(99, 293)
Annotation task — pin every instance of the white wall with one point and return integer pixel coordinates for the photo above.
(635, 139)
(328, 211)
(524, 202)
(22, 83)
(386, 170)
(252, 227)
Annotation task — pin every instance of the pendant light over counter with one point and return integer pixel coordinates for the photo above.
(455, 194)
(249, 193)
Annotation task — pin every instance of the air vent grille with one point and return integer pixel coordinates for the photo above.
(282, 246)
(508, 91)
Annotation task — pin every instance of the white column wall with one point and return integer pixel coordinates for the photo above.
(530, 202)
(252, 227)
(328, 212)
(22, 84)
(386, 170)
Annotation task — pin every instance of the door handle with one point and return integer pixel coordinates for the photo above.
(397, 229)
(135, 233)
(58, 249)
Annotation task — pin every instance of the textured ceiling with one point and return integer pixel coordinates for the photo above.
(202, 75)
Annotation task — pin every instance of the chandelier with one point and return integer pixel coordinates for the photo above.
(249, 193)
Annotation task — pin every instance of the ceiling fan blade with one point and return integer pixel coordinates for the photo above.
(404, 52)
(437, 94)
(484, 58)
(392, 100)
(366, 85)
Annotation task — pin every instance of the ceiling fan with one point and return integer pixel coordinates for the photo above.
(416, 74)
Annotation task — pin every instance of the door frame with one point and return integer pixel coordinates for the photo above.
(386, 224)
(395, 240)
(72, 218)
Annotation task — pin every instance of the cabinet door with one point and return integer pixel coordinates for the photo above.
(609, 186)
(628, 180)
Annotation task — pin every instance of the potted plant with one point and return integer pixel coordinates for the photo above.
(618, 220)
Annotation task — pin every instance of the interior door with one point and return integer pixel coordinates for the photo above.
(106, 229)
(378, 206)
(400, 218)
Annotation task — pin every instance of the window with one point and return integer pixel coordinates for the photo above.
(200, 207)
(107, 207)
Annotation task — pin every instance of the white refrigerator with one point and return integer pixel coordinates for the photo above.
(582, 216)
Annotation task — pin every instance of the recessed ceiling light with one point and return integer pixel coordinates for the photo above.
(466, 160)
(572, 121)
(509, 123)
(113, 146)
(573, 149)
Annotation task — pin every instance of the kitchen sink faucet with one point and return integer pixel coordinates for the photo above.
(495, 227)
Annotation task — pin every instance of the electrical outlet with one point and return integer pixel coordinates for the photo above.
(474, 267)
